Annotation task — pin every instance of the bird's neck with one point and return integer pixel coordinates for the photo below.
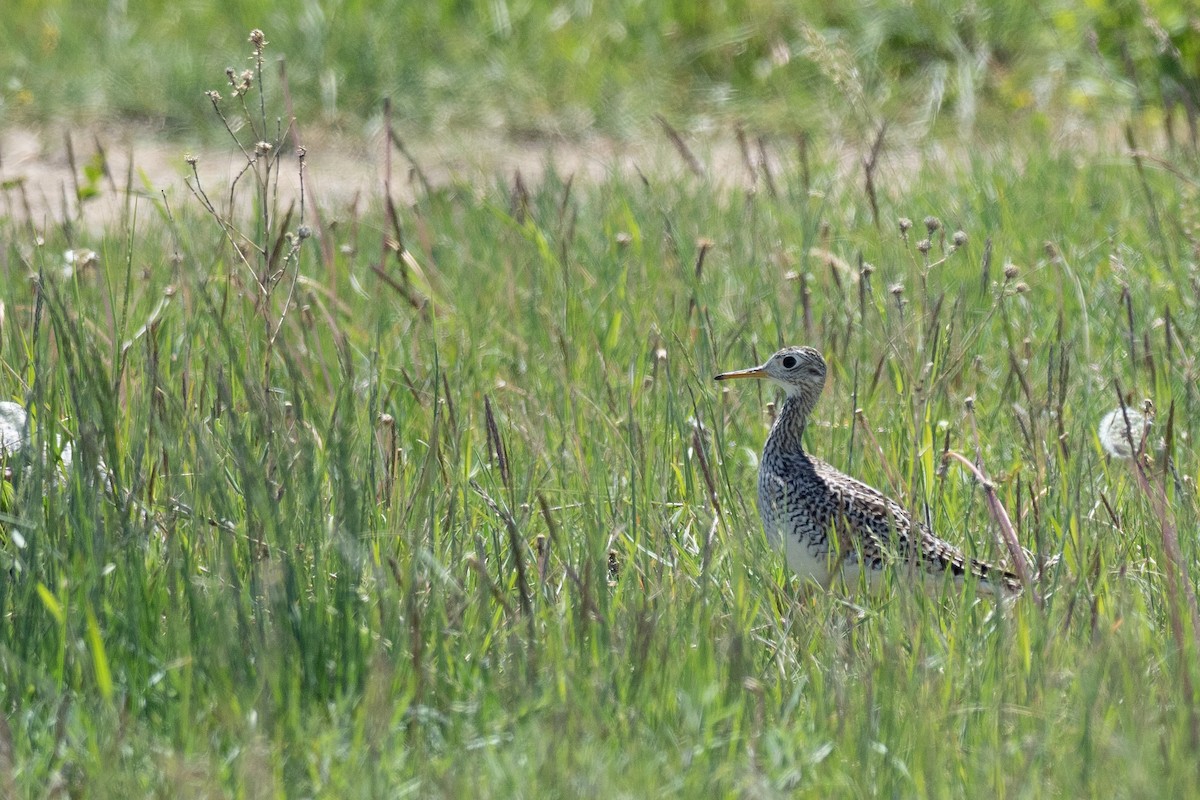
(787, 434)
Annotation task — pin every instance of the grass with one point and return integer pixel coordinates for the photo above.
(569, 69)
(464, 514)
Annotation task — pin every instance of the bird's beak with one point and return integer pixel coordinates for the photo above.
(753, 372)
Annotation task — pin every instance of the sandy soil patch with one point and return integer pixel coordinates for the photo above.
(40, 173)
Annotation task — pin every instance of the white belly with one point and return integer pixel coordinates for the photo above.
(803, 558)
(792, 530)
(821, 569)
(802, 561)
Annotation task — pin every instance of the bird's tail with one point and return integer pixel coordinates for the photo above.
(992, 577)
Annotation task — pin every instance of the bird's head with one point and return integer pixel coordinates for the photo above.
(797, 370)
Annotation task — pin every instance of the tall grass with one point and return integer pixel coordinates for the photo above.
(540, 69)
(468, 516)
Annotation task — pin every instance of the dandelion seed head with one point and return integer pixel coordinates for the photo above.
(1116, 438)
(80, 258)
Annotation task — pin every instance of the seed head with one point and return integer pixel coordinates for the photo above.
(258, 39)
(1119, 439)
(924, 246)
(303, 232)
(905, 224)
(81, 258)
(932, 224)
(896, 289)
(1011, 271)
(960, 238)
(1022, 287)
(262, 148)
(190, 160)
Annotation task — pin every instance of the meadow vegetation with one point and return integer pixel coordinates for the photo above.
(439, 499)
(532, 69)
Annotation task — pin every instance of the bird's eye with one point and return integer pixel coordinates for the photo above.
(789, 362)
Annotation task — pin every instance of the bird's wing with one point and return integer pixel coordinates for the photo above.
(888, 528)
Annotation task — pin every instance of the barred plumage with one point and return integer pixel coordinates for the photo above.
(824, 520)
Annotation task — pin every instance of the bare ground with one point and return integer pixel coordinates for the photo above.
(40, 171)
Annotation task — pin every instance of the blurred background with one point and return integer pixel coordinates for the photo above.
(527, 69)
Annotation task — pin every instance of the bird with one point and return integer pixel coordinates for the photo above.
(827, 522)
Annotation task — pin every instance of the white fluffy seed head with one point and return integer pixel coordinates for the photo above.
(1116, 436)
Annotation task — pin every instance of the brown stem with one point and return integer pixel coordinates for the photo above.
(1007, 534)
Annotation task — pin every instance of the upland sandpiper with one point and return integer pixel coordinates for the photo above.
(827, 522)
